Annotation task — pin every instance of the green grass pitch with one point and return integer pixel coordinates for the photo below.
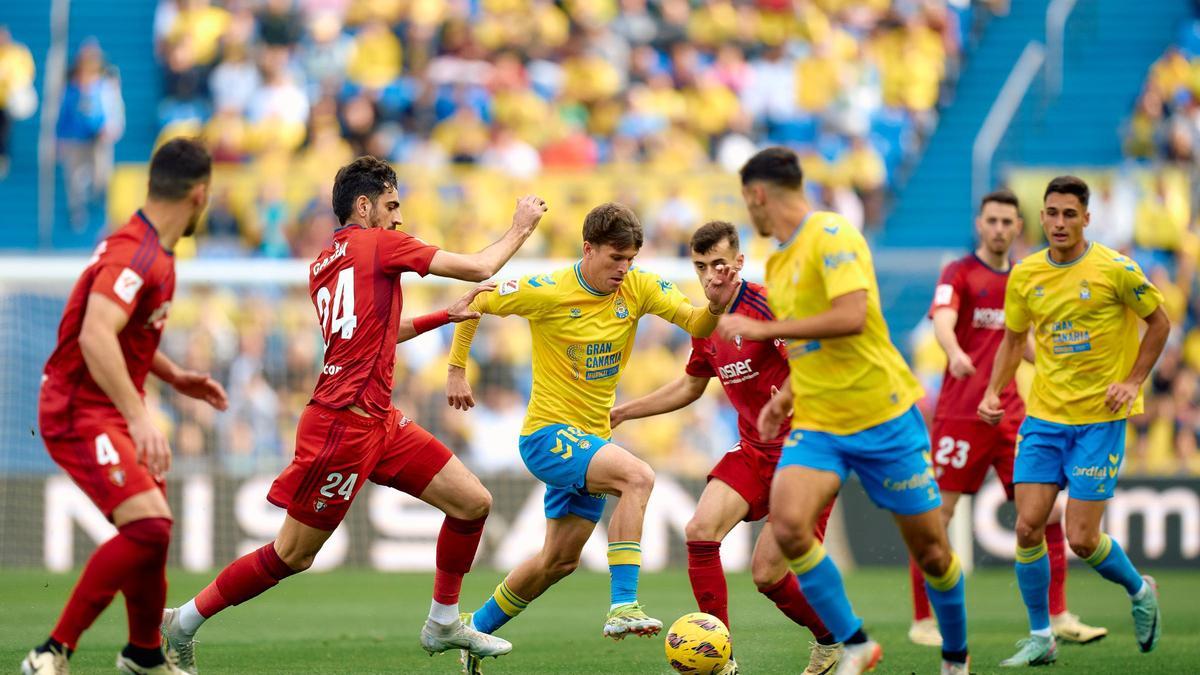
(364, 622)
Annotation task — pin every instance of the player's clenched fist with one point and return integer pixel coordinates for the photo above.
(990, 409)
(1121, 395)
(528, 212)
(458, 390)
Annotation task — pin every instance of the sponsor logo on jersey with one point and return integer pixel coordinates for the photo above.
(339, 250)
(943, 294)
(1139, 291)
(1099, 471)
(991, 319)
(664, 285)
(620, 309)
(836, 260)
(600, 360)
(127, 285)
(331, 369)
(737, 372)
(1039, 292)
(1068, 339)
(510, 286)
(576, 312)
(158, 318)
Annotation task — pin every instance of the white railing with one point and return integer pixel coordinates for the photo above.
(52, 92)
(1008, 101)
(1056, 35)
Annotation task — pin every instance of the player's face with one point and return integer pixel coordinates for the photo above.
(755, 196)
(199, 204)
(722, 254)
(997, 226)
(385, 211)
(607, 265)
(1063, 220)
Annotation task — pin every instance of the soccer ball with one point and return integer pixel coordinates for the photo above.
(698, 643)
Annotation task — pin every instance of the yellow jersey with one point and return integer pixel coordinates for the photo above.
(1084, 316)
(582, 338)
(846, 384)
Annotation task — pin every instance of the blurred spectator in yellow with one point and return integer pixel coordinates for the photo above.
(376, 56)
(201, 25)
(18, 98)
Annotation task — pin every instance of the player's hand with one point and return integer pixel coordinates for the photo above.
(201, 386)
(731, 325)
(990, 410)
(528, 213)
(461, 309)
(1121, 395)
(773, 415)
(961, 365)
(458, 390)
(152, 449)
(721, 288)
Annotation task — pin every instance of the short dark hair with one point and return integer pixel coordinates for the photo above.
(176, 167)
(1069, 185)
(613, 224)
(1001, 196)
(367, 176)
(776, 165)
(711, 233)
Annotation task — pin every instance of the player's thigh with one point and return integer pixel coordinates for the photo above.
(560, 455)
(411, 458)
(102, 460)
(949, 503)
(616, 471)
(298, 544)
(1093, 461)
(962, 451)
(720, 508)
(799, 495)
(892, 460)
(150, 503)
(336, 450)
(457, 492)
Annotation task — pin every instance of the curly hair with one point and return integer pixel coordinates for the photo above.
(366, 176)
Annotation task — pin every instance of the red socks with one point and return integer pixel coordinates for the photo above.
(457, 543)
(786, 595)
(133, 562)
(708, 578)
(244, 578)
(1056, 547)
(919, 597)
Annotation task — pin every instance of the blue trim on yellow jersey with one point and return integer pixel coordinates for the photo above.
(796, 232)
(1070, 262)
(583, 282)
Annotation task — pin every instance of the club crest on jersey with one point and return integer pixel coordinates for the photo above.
(319, 505)
(737, 341)
(117, 476)
(1085, 291)
(620, 309)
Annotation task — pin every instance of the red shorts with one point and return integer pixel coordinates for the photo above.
(102, 460)
(749, 470)
(964, 449)
(337, 450)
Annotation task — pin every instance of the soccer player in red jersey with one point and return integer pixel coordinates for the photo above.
(968, 320)
(739, 486)
(350, 433)
(93, 419)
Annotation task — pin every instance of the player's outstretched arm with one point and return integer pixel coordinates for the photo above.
(459, 311)
(1124, 393)
(670, 397)
(458, 389)
(103, 320)
(190, 383)
(485, 263)
(1004, 369)
(847, 315)
(959, 362)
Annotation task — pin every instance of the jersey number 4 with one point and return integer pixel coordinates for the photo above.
(339, 318)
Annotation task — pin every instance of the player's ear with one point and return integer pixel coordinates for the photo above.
(740, 262)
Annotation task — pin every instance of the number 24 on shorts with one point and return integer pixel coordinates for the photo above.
(336, 486)
(952, 452)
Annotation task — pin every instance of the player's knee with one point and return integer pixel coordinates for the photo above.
(154, 533)
(298, 562)
(1029, 534)
(478, 505)
(766, 573)
(559, 567)
(699, 529)
(933, 558)
(795, 538)
(1083, 543)
(639, 479)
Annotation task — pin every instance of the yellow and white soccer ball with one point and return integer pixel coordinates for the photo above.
(698, 644)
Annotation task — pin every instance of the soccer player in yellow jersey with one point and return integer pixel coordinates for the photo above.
(1083, 301)
(852, 399)
(583, 319)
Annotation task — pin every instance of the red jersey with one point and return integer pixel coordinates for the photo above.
(748, 370)
(976, 291)
(355, 286)
(132, 269)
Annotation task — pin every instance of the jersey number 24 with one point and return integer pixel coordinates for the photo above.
(336, 309)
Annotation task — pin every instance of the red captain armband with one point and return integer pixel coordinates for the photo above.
(427, 322)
